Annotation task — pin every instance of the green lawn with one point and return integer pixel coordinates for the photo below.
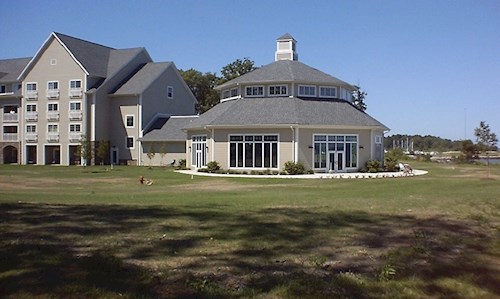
(97, 232)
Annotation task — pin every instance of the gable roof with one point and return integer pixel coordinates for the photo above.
(285, 111)
(285, 36)
(11, 68)
(143, 78)
(283, 71)
(168, 128)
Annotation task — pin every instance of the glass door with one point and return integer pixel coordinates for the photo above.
(336, 161)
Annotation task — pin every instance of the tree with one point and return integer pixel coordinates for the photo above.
(486, 140)
(202, 87)
(236, 68)
(163, 152)
(85, 150)
(151, 153)
(102, 151)
(469, 150)
(358, 98)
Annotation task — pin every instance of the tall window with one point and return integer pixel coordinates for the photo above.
(324, 144)
(253, 151)
(199, 151)
(307, 90)
(3, 88)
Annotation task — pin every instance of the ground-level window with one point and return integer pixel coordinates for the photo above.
(341, 149)
(253, 151)
(199, 151)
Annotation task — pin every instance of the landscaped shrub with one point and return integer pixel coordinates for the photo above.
(213, 167)
(182, 165)
(373, 166)
(294, 168)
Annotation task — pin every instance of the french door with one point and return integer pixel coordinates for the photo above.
(336, 161)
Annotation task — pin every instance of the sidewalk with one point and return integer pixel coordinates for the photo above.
(350, 175)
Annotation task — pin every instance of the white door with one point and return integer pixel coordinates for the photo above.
(336, 161)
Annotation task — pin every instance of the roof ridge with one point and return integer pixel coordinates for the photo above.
(58, 34)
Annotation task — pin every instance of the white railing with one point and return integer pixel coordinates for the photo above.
(53, 115)
(10, 136)
(10, 117)
(31, 137)
(75, 136)
(53, 94)
(52, 137)
(31, 95)
(75, 115)
(75, 93)
(31, 116)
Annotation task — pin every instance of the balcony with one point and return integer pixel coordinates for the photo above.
(10, 137)
(75, 115)
(53, 94)
(75, 136)
(75, 93)
(53, 115)
(11, 117)
(31, 137)
(31, 95)
(31, 116)
(52, 137)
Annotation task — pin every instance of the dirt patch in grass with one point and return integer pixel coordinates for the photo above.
(19, 183)
(220, 185)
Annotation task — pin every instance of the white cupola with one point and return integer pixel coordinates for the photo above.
(285, 48)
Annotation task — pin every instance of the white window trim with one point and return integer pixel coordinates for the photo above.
(36, 107)
(254, 86)
(326, 141)
(256, 134)
(53, 125)
(133, 142)
(379, 139)
(31, 83)
(329, 87)
(280, 86)
(30, 125)
(75, 80)
(307, 95)
(52, 103)
(74, 102)
(53, 81)
(133, 121)
(74, 124)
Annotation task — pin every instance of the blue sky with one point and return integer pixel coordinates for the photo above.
(429, 67)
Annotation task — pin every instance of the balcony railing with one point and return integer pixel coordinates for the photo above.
(75, 136)
(10, 137)
(52, 137)
(31, 116)
(10, 117)
(75, 93)
(75, 115)
(53, 93)
(31, 95)
(53, 115)
(31, 137)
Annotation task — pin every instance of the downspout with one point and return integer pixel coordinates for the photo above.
(213, 145)
(139, 130)
(293, 144)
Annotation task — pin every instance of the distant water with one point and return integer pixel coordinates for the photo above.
(492, 160)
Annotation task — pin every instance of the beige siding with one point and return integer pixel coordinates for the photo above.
(165, 153)
(120, 108)
(54, 64)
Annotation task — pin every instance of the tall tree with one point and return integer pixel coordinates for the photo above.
(236, 68)
(202, 87)
(358, 98)
(102, 151)
(486, 140)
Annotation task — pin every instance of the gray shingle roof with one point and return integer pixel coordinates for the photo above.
(143, 78)
(168, 129)
(285, 36)
(10, 69)
(285, 111)
(92, 56)
(283, 71)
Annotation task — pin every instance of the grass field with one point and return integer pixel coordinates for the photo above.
(73, 232)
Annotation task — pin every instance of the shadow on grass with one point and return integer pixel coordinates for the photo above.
(110, 251)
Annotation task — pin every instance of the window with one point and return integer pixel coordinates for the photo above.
(170, 92)
(254, 91)
(307, 90)
(324, 145)
(234, 92)
(75, 84)
(53, 85)
(31, 87)
(378, 139)
(129, 142)
(75, 106)
(3, 89)
(129, 121)
(30, 129)
(53, 128)
(253, 151)
(199, 151)
(225, 94)
(52, 107)
(278, 90)
(31, 108)
(328, 92)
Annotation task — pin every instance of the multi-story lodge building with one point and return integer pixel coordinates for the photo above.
(73, 88)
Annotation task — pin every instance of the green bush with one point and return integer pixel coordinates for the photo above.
(373, 166)
(182, 165)
(294, 168)
(213, 167)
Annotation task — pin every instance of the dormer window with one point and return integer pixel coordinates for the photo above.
(254, 91)
(307, 90)
(327, 92)
(278, 90)
(234, 92)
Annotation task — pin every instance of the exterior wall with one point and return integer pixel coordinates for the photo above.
(120, 108)
(170, 150)
(6, 155)
(54, 64)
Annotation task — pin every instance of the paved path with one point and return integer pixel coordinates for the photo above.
(351, 175)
